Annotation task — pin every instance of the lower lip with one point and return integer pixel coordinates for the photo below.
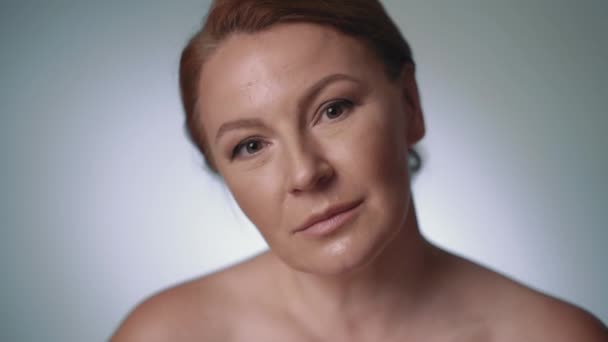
(331, 224)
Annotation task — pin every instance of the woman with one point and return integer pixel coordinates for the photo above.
(308, 111)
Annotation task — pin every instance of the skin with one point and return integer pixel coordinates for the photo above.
(288, 146)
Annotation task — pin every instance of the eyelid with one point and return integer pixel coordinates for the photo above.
(344, 102)
(242, 144)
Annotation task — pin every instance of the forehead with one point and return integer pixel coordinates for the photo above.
(250, 71)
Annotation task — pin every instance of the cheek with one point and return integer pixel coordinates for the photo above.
(376, 150)
(258, 194)
(387, 173)
(377, 153)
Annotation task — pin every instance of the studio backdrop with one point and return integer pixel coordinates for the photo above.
(103, 200)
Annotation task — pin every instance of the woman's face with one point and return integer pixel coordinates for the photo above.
(303, 125)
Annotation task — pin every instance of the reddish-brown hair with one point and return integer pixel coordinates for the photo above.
(363, 19)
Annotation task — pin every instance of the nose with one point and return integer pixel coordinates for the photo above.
(308, 169)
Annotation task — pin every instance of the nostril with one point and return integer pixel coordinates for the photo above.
(326, 174)
(313, 175)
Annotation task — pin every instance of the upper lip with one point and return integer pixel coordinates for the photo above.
(327, 213)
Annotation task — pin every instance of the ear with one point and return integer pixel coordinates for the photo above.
(415, 129)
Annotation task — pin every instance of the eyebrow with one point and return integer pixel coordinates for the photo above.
(238, 124)
(316, 88)
(310, 94)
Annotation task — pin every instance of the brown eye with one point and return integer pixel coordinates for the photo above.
(252, 146)
(336, 109)
(247, 148)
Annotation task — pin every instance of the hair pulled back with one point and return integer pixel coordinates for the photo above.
(362, 19)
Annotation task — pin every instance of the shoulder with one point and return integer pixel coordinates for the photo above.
(204, 309)
(535, 316)
(517, 312)
(171, 314)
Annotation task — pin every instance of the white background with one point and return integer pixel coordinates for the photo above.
(103, 201)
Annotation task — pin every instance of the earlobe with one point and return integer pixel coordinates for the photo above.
(415, 129)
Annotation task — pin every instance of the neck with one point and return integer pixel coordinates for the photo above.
(382, 292)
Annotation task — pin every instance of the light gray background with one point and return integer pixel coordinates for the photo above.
(104, 201)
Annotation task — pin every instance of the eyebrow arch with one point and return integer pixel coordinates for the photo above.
(238, 124)
(316, 88)
(312, 92)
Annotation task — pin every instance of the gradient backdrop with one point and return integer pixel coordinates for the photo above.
(103, 200)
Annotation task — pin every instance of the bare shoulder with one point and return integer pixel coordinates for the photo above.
(535, 316)
(516, 312)
(188, 311)
(203, 309)
(560, 321)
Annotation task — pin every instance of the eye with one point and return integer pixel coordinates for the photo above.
(336, 109)
(248, 147)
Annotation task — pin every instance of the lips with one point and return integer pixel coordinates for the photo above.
(329, 219)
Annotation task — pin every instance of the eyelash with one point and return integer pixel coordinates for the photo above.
(342, 104)
(243, 144)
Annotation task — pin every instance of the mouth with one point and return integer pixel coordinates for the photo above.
(329, 220)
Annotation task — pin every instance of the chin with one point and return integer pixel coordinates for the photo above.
(343, 254)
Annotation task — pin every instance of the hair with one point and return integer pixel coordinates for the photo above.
(365, 20)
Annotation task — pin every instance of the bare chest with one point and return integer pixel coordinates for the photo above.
(265, 331)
